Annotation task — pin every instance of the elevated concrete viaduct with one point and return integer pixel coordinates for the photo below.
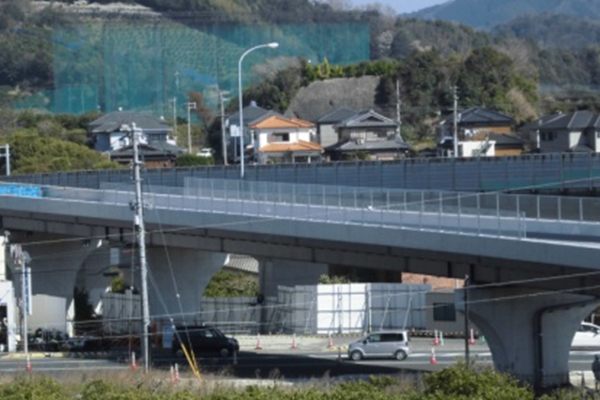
(529, 294)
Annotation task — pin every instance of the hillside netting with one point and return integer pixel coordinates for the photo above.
(144, 63)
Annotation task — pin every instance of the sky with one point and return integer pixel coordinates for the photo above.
(402, 5)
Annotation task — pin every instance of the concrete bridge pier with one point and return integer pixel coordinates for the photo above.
(187, 272)
(275, 272)
(55, 263)
(529, 331)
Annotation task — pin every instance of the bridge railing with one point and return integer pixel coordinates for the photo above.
(365, 208)
(336, 204)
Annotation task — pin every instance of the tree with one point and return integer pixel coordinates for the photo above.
(32, 153)
(232, 284)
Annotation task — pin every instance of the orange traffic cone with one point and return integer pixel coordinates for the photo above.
(133, 365)
(28, 365)
(330, 344)
(472, 338)
(436, 339)
(258, 344)
(294, 343)
(433, 360)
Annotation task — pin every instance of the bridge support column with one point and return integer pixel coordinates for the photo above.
(191, 270)
(529, 331)
(274, 273)
(54, 269)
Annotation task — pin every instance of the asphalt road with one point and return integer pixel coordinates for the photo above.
(296, 365)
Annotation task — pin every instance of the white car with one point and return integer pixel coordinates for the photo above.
(205, 152)
(587, 336)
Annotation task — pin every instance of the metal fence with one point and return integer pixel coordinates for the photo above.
(370, 208)
(530, 172)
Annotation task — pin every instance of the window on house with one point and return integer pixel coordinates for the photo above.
(548, 136)
(444, 312)
(281, 137)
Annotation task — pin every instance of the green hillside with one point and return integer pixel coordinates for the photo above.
(552, 30)
(486, 14)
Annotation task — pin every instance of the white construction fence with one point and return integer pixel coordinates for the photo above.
(308, 310)
(352, 308)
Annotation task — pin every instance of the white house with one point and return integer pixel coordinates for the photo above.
(280, 139)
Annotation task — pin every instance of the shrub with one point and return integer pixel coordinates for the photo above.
(463, 382)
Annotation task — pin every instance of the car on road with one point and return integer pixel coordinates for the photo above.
(587, 336)
(203, 340)
(394, 344)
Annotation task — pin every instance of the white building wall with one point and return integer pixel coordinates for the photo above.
(295, 136)
(469, 149)
(576, 138)
(7, 299)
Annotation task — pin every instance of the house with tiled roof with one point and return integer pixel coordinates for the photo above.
(253, 114)
(481, 132)
(107, 134)
(575, 132)
(346, 132)
(278, 139)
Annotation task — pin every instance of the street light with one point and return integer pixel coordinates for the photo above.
(273, 45)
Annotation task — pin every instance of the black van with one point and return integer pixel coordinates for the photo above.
(203, 340)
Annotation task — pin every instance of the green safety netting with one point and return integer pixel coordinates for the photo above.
(142, 64)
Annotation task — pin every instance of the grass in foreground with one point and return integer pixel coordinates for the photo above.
(454, 383)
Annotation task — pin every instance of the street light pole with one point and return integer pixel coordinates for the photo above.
(273, 45)
(191, 105)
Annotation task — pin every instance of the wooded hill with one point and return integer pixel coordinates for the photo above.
(487, 14)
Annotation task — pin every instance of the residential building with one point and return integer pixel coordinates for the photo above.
(326, 131)
(574, 132)
(156, 155)
(347, 134)
(279, 139)
(252, 115)
(107, 134)
(479, 132)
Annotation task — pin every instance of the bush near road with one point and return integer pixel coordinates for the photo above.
(454, 383)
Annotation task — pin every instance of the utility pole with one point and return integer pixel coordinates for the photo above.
(173, 101)
(398, 109)
(190, 105)
(466, 297)
(222, 94)
(455, 96)
(141, 237)
(6, 155)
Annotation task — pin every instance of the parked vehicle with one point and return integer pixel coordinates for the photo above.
(205, 152)
(393, 344)
(204, 340)
(587, 336)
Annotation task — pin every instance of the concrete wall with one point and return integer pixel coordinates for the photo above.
(327, 135)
